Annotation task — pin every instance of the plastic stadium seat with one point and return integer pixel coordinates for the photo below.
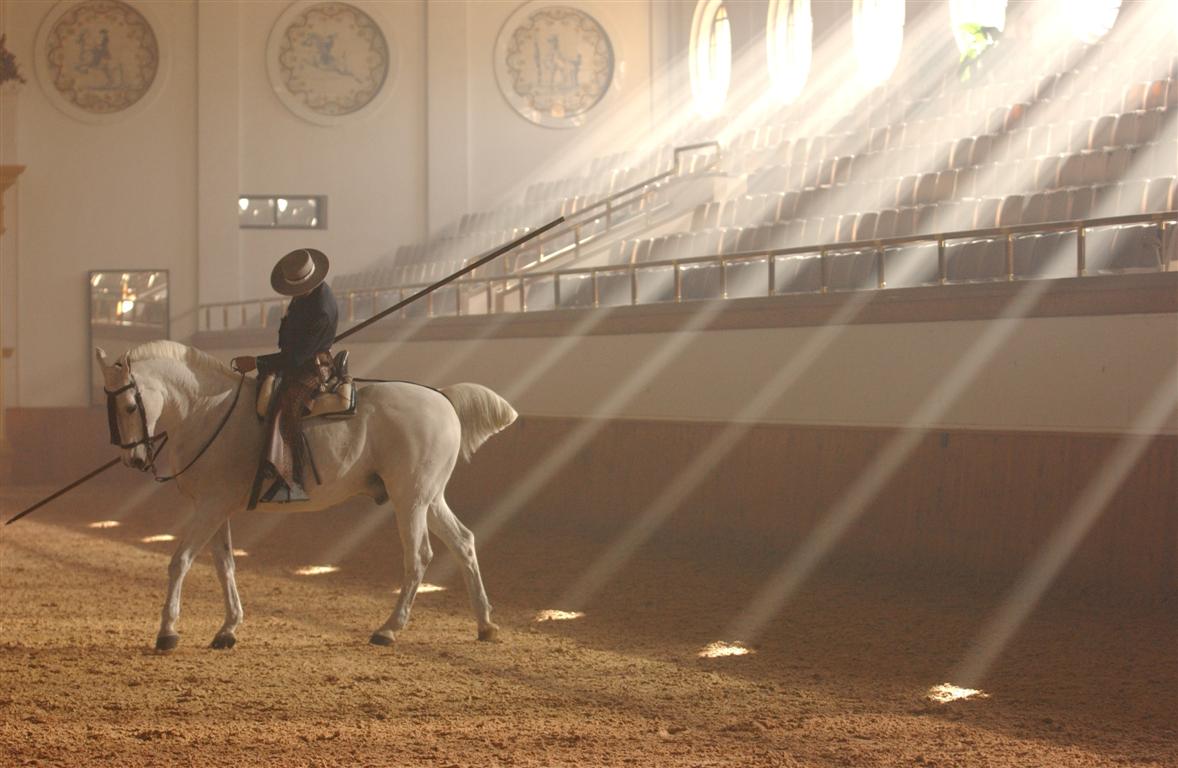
(959, 157)
(843, 169)
(982, 151)
(1104, 131)
(1071, 171)
(911, 265)
(1134, 96)
(1116, 164)
(729, 240)
(906, 222)
(1010, 212)
(885, 225)
(905, 192)
(1047, 172)
(865, 226)
(1149, 126)
(878, 140)
(1130, 197)
(788, 206)
(986, 216)
(1123, 133)
(845, 228)
(1157, 194)
(945, 186)
(1080, 203)
(925, 191)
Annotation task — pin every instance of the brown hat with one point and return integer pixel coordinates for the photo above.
(299, 272)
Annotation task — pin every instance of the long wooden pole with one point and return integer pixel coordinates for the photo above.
(451, 278)
(69, 487)
(399, 305)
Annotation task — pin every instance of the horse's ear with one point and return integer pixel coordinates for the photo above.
(100, 353)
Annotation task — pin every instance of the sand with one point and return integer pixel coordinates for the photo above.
(838, 679)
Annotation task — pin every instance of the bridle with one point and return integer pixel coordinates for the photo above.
(150, 441)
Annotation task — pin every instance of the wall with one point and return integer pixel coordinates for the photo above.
(507, 152)
(372, 169)
(157, 189)
(112, 195)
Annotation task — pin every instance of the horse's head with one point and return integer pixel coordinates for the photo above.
(132, 409)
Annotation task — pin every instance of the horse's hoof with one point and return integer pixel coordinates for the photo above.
(382, 638)
(167, 642)
(489, 633)
(223, 641)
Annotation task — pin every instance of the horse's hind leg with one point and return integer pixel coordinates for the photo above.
(411, 525)
(460, 541)
(226, 637)
(201, 527)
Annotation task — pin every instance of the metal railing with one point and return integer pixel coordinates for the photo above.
(571, 239)
(510, 294)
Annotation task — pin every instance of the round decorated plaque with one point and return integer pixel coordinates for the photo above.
(329, 61)
(99, 60)
(554, 63)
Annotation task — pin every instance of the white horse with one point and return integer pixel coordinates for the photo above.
(400, 446)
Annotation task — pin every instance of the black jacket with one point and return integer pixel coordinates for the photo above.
(307, 329)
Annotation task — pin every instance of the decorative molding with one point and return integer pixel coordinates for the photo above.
(554, 63)
(330, 61)
(100, 60)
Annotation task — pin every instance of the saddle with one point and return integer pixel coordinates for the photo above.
(335, 398)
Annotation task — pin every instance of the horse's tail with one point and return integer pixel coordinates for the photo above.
(481, 412)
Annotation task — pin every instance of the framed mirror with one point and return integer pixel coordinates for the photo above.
(127, 308)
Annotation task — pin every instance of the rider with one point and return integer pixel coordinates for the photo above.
(304, 343)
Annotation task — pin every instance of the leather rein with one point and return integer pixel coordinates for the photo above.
(148, 440)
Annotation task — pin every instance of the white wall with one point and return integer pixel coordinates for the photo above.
(114, 195)
(158, 188)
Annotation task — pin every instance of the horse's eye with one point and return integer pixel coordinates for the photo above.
(130, 409)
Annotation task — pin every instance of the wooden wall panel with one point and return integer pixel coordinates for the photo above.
(964, 502)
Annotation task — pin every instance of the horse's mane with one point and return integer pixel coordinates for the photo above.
(172, 350)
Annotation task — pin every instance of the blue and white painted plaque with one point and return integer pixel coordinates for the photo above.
(554, 63)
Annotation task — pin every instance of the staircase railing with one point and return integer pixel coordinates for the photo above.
(582, 228)
(509, 294)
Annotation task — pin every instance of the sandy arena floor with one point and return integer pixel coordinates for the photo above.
(838, 680)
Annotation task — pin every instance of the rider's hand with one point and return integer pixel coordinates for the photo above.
(244, 364)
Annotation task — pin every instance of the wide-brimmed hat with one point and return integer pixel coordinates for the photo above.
(299, 272)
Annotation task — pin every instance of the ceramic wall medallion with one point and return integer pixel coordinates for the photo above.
(329, 61)
(98, 59)
(554, 63)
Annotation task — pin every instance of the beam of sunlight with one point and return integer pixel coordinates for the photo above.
(555, 615)
(104, 524)
(240, 553)
(426, 588)
(158, 538)
(851, 506)
(947, 692)
(723, 648)
(1064, 540)
(316, 570)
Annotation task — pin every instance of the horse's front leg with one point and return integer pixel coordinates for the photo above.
(226, 636)
(200, 529)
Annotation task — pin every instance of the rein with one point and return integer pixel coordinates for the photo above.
(150, 440)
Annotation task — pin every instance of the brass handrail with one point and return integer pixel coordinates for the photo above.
(518, 283)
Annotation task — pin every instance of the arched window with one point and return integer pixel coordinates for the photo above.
(1092, 19)
(789, 42)
(975, 21)
(710, 57)
(877, 28)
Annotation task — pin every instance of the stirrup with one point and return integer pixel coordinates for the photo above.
(281, 493)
